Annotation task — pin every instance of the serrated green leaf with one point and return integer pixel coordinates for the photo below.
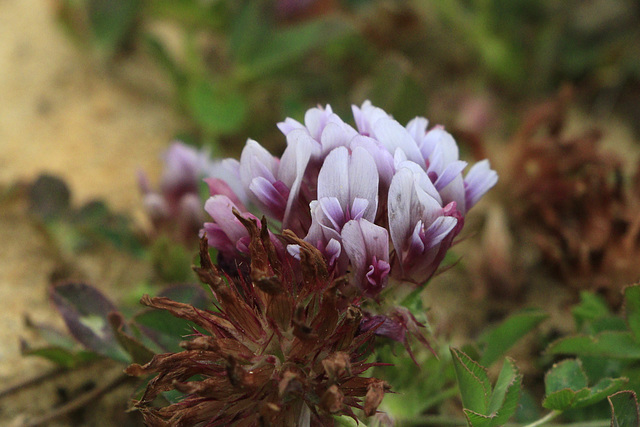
(600, 391)
(473, 382)
(567, 374)
(217, 107)
(504, 336)
(632, 309)
(506, 394)
(613, 344)
(624, 409)
(478, 420)
(560, 400)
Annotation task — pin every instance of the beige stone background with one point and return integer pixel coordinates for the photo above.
(61, 112)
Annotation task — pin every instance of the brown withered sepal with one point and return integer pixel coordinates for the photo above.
(282, 345)
(576, 203)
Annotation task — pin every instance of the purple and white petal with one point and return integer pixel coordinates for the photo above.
(480, 179)
(289, 125)
(256, 161)
(382, 158)
(315, 119)
(366, 116)
(417, 128)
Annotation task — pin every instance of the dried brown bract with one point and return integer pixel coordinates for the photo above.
(281, 349)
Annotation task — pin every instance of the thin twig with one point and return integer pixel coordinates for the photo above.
(81, 401)
(32, 381)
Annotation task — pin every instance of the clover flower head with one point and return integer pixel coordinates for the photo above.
(379, 201)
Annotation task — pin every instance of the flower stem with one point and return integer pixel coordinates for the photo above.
(551, 415)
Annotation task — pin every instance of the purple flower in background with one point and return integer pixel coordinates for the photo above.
(176, 207)
(383, 201)
(398, 325)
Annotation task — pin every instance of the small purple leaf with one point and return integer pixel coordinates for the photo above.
(85, 311)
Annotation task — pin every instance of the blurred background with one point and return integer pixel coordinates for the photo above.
(92, 91)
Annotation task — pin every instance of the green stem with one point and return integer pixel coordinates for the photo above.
(551, 415)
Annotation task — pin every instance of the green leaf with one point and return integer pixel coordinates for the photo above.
(613, 344)
(624, 409)
(61, 356)
(632, 309)
(249, 31)
(566, 387)
(560, 400)
(49, 197)
(171, 261)
(51, 335)
(164, 59)
(288, 46)
(163, 329)
(566, 374)
(591, 307)
(216, 106)
(506, 394)
(113, 21)
(346, 421)
(473, 382)
(478, 420)
(138, 351)
(600, 391)
(504, 336)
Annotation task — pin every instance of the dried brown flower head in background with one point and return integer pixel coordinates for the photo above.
(282, 349)
(575, 202)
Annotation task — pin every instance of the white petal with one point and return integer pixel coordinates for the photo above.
(333, 179)
(393, 135)
(363, 181)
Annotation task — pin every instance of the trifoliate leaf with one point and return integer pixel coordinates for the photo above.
(473, 382)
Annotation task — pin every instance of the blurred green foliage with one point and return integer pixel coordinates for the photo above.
(240, 66)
